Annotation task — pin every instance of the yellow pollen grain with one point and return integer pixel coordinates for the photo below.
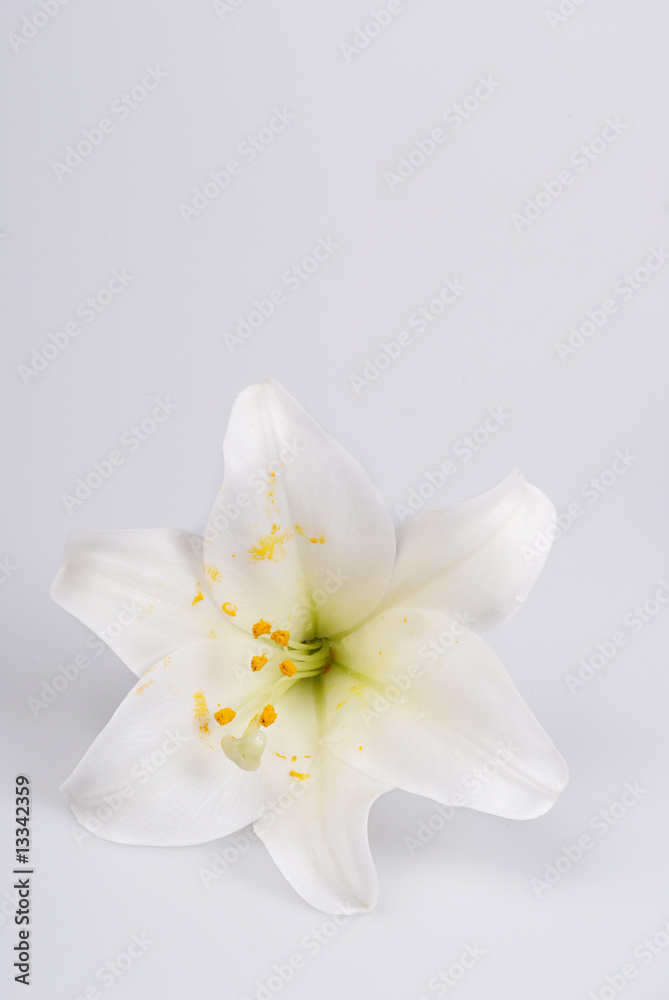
(270, 547)
(212, 634)
(300, 530)
(287, 668)
(144, 686)
(224, 715)
(293, 758)
(213, 573)
(267, 716)
(261, 628)
(281, 637)
(281, 755)
(271, 486)
(201, 712)
(199, 596)
(258, 662)
(296, 774)
(230, 609)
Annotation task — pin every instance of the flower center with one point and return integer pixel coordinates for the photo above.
(296, 661)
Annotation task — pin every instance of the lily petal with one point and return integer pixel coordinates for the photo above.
(319, 841)
(142, 592)
(299, 536)
(431, 710)
(476, 560)
(157, 775)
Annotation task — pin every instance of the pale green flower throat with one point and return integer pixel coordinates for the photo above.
(298, 660)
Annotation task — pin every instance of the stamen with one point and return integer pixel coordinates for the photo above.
(224, 715)
(261, 628)
(267, 716)
(287, 668)
(281, 637)
(258, 662)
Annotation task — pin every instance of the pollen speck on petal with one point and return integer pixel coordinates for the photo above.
(230, 609)
(271, 546)
(201, 712)
(296, 774)
(199, 596)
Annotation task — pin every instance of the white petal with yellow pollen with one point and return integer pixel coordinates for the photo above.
(299, 534)
(477, 559)
(435, 713)
(142, 592)
(318, 835)
(156, 774)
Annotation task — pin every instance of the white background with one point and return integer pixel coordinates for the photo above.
(355, 114)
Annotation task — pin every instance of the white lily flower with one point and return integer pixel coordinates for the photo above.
(306, 657)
